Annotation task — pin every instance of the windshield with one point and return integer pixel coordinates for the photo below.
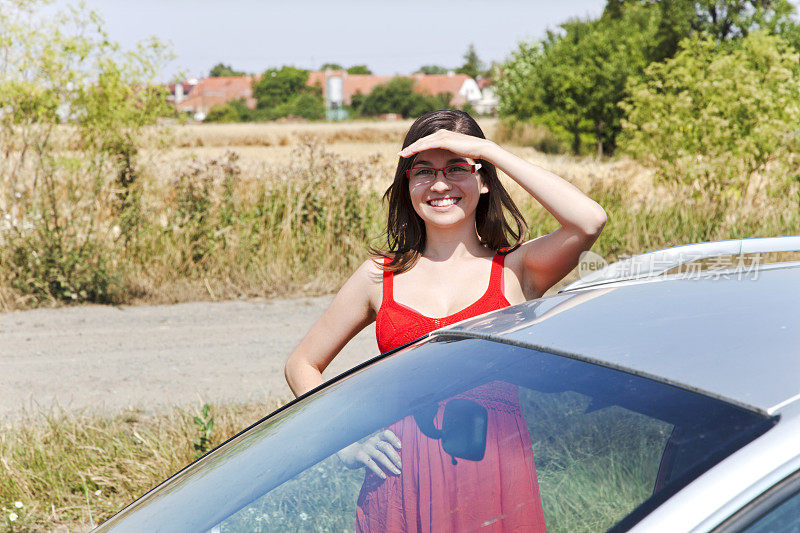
(488, 433)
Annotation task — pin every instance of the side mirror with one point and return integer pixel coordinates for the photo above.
(463, 432)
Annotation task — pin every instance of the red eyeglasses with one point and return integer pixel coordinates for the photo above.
(454, 172)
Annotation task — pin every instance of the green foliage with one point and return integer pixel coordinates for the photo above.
(204, 424)
(331, 66)
(235, 111)
(221, 70)
(432, 69)
(277, 86)
(357, 100)
(398, 96)
(718, 113)
(66, 85)
(308, 105)
(473, 66)
(284, 92)
(359, 69)
(572, 82)
(721, 20)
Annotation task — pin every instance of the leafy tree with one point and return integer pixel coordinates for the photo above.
(572, 82)
(720, 19)
(277, 86)
(221, 70)
(359, 69)
(718, 113)
(432, 69)
(331, 66)
(59, 67)
(357, 100)
(472, 67)
(308, 105)
(235, 111)
(398, 96)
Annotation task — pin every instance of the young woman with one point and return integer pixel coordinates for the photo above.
(451, 227)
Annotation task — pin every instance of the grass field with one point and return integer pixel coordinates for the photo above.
(69, 471)
(230, 211)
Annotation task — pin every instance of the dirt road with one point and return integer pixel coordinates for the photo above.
(107, 358)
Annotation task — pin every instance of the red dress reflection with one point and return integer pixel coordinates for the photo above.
(498, 493)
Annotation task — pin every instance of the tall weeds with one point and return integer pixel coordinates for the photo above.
(72, 470)
(213, 231)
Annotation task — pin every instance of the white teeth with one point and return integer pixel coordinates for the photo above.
(442, 202)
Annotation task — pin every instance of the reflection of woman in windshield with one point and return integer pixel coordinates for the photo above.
(452, 226)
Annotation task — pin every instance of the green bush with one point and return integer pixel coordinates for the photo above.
(67, 89)
(235, 111)
(572, 81)
(718, 114)
(398, 96)
(308, 105)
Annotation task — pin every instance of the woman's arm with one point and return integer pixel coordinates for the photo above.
(549, 258)
(350, 312)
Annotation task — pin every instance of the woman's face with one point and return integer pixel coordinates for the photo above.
(444, 201)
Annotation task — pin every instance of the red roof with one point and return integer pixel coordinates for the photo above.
(210, 92)
(365, 83)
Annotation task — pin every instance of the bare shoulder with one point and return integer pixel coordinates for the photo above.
(518, 262)
(368, 278)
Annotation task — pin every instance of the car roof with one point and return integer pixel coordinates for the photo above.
(733, 336)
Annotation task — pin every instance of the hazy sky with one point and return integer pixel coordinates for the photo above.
(390, 36)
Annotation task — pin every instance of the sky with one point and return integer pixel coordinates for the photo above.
(389, 36)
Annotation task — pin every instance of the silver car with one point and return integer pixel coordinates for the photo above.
(655, 398)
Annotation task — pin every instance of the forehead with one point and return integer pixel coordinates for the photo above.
(438, 157)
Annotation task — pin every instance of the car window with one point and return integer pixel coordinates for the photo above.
(491, 434)
(785, 518)
(593, 464)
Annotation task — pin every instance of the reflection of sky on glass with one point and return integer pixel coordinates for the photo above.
(390, 36)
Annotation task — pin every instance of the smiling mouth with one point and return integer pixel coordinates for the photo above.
(443, 202)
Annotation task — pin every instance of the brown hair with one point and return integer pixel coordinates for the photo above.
(405, 230)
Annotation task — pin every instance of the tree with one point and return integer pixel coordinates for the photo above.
(398, 96)
(331, 66)
(359, 69)
(277, 86)
(432, 69)
(221, 70)
(357, 100)
(718, 113)
(472, 67)
(572, 82)
(722, 20)
(308, 105)
(235, 111)
(60, 66)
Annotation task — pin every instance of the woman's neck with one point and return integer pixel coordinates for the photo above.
(442, 244)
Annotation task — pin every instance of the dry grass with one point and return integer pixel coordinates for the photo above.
(284, 134)
(224, 220)
(70, 470)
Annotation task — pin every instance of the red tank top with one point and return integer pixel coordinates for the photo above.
(397, 324)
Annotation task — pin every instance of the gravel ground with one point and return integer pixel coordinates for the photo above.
(104, 359)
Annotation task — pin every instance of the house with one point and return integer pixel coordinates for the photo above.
(488, 101)
(461, 87)
(209, 92)
(198, 96)
(178, 92)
